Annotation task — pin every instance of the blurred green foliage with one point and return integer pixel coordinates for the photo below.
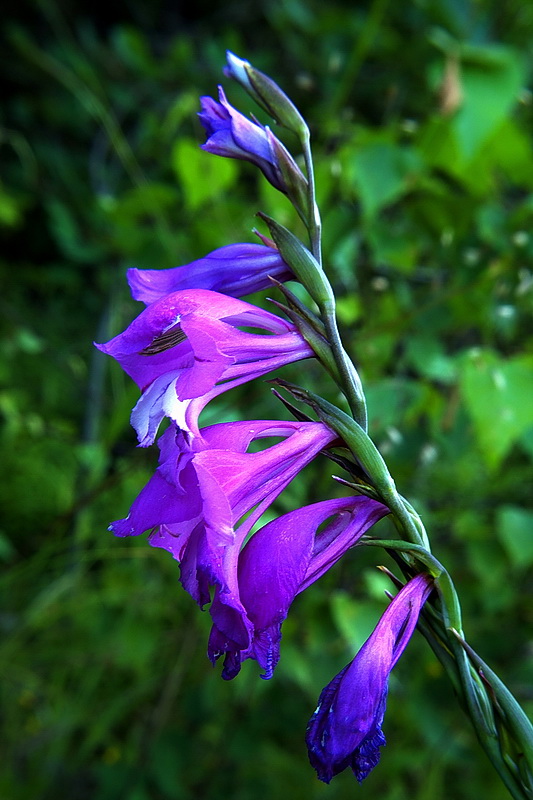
(421, 119)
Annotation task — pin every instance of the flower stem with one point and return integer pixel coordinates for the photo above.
(314, 223)
(350, 380)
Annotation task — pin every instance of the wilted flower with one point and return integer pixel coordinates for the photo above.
(345, 730)
(180, 348)
(235, 270)
(282, 559)
(205, 497)
(231, 134)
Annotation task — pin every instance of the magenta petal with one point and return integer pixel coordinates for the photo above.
(203, 489)
(249, 478)
(188, 347)
(353, 520)
(220, 644)
(171, 496)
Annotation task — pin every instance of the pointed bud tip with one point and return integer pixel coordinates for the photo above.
(235, 61)
(266, 93)
(237, 69)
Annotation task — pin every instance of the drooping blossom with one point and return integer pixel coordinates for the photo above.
(235, 270)
(187, 347)
(205, 497)
(282, 559)
(232, 135)
(345, 730)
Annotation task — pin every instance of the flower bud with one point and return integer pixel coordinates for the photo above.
(231, 135)
(301, 261)
(266, 94)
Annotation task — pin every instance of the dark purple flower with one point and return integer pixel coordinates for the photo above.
(345, 730)
(205, 497)
(281, 560)
(180, 349)
(235, 270)
(231, 134)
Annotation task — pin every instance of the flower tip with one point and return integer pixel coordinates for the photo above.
(237, 69)
(235, 61)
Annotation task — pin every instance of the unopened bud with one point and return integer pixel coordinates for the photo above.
(301, 261)
(266, 94)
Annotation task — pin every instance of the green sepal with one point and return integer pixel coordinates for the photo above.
(314, 339)
(302, 262)
(298, 305)
(292, 178)
(417, 553)
(515, 719)
(369, 458)
(360, 444)
(296, 412)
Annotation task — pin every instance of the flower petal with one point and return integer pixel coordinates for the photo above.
(345, 729)
(275, 565)
(236, 270)
(182, 346)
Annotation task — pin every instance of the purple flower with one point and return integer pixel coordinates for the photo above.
(182, 346)
(235, 270)
(231, 134)
(345, 730)
(205, 497)
(282, 559)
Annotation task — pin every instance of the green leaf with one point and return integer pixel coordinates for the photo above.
(203, 176)
(491, 79)
(68, 234)
(497, 394)
(393, 244)
(353, 619)
(390, 400)
(383, 173)
(10, 210)
(515, 532)
(427, 355)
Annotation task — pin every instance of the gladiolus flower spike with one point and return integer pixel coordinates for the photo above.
(205, 502)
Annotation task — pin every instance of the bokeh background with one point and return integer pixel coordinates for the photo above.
(421, 119)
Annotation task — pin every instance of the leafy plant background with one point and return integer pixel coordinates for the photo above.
(421, 119)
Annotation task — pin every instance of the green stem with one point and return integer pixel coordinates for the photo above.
(442, 623)
(350, 380)
(518, 723)
(314, 223)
